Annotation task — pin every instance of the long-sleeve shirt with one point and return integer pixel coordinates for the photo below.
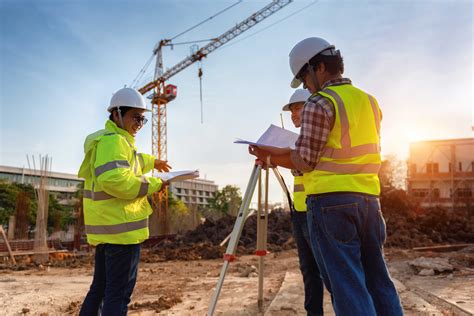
(317, 122)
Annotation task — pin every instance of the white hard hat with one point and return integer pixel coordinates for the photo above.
(127, 97)
(300, 95)
(304, 51)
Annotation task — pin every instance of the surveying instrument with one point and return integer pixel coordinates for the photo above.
(262, 225)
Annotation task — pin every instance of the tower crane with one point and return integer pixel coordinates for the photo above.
(161, 93)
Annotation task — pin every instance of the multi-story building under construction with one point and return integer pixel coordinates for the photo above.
(441, 172)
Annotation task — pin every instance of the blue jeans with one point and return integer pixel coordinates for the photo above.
(115, 274)
(347, 232)
(313, 285)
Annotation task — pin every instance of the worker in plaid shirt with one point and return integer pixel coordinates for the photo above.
(338, 151)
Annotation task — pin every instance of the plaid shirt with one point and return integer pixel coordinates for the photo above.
(317, 122)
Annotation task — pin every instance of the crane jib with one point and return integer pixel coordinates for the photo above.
(238, 29)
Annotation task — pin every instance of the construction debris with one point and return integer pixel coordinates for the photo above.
(203, 242)
(431, 266)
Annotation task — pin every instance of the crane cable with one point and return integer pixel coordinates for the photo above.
(147, 64)
(204, 21)
(141, 73)
(273, 24)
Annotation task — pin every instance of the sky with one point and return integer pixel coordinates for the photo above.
(61, 61)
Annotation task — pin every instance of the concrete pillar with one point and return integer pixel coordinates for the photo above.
(11, 228)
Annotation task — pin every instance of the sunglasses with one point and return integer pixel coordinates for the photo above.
(302, 73)
(140, 119)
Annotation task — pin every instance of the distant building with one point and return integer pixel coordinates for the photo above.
(441, 172)
(62, 186)
(194, 192)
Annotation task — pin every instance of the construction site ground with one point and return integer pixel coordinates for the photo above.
(175, 287)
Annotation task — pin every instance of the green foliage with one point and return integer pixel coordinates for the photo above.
(8, 193)
(392, 173)
(178, 213)
(59, 216)
(227, 200)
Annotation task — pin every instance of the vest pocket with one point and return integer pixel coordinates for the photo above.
(138, 209)
(339, 222)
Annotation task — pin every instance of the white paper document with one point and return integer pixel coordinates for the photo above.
(178, 175)
(276, 140)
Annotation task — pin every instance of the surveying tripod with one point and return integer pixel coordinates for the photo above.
(262, 224)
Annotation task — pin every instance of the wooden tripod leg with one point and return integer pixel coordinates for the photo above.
(8, 244)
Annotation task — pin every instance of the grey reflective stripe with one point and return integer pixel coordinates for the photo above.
(343, 153)
(97, 196)
(109, 134)
(298, 188)
(116, 229)
(143, 188)
(142, 161)
(376, 113)
(111, 165)
(345, 136)
(347, 168)
(135, 161)
(347, 151)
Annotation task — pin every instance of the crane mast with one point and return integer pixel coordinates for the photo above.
(162, 94)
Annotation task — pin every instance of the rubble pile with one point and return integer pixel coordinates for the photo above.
(410, 226)
(203, 242)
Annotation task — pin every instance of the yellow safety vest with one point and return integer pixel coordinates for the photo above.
(351, 160)
(116, 208)
(299, 195)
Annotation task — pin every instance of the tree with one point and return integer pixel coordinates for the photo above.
(8, 201)
(227, 200)
(392, 173)
(177, 212)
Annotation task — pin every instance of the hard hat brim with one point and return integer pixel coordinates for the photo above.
(110, 108)
(295, 83)
(286, 107)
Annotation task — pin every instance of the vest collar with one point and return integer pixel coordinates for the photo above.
(112, 127)
(336, 82)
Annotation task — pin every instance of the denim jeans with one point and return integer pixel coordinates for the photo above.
(313, 285)
(115, 274)
(347, 232)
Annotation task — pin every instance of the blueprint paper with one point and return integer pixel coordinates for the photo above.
(177, 175)
(276, 140)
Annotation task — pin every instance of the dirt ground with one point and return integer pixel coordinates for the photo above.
(186, 287)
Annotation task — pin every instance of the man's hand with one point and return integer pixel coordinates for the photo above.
(261, 154)
(162, 165)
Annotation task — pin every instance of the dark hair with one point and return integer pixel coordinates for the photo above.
(333, 64)
(123, 110)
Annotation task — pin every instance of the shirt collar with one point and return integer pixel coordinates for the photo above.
(111, 126)
(336, 82)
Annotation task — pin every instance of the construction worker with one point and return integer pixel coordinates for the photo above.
(116, 207)
(338, 151)
(313, 285)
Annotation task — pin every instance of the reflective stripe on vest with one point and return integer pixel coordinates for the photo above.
(299, 195)
(143, 187)
(97, 196)
(298, 188)
(347, 151)
(116, 229)
(351, 160)
(101, 196)
(111, 165)
(347, 168)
